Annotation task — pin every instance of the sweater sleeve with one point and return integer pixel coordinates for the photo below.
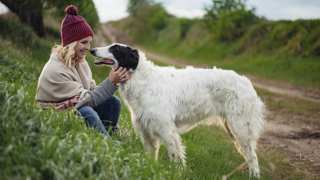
(92, 84)
(97, 96)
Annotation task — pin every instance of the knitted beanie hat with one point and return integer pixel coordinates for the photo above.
(73, 26)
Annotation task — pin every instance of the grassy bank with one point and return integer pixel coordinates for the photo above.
(45, 144)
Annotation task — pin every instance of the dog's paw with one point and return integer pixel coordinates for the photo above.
(178, 160)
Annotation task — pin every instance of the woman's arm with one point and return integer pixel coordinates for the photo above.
(105, 89)
(97, 96)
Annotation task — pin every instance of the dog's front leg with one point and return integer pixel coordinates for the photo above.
(176, 150)
(151, 145)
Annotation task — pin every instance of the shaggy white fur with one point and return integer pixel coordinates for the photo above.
(165, 102)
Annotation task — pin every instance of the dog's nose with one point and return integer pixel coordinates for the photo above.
(93, 51)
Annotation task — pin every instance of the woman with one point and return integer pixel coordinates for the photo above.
(66, 80)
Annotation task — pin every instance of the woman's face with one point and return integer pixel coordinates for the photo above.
(83, 47)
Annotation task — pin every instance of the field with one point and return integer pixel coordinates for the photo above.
(45, 144)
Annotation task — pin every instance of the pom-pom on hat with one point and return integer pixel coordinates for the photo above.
(73, 26)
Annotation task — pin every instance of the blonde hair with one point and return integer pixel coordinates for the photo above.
(67, 53)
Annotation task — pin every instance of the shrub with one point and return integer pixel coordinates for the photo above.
(86, 9)
(23, 35)
(232, 25)
(185, 26)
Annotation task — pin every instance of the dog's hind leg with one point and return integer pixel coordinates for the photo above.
(245, 143)
(248, 149)
(245, 122)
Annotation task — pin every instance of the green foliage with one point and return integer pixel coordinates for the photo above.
(229, 19)
(86, 9)
(149, 20)
(135, 6)
(46, 144)
(233, 30)
(185, 26)
(29, 12)
(232, 25)
(219, 7)
(158, 18)
(283, 37)
(23, 35)
(40, 144)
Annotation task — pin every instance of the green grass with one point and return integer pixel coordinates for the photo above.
(46, 144)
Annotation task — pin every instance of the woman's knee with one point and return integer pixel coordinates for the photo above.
(116, 101)
(92, 118)
(90, 115)
(87, 111)
(113, 104)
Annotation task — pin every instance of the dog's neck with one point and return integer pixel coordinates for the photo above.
(145, 67)
(140, 75)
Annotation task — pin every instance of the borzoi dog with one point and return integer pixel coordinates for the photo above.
(165, 102)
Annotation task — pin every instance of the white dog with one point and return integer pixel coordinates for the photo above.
(165, 102)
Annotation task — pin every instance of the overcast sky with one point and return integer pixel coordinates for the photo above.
(271, 9)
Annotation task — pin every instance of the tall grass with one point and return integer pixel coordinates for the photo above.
(45, 144)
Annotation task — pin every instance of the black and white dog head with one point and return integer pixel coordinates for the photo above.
(117, 55)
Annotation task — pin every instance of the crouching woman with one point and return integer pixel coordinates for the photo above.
(66, 79)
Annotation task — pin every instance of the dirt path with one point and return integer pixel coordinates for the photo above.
(300, 141)
(287, 131)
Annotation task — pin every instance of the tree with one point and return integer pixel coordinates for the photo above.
(229, 19)
(219, 7)
(135, 5)
(86, 9)
(29, 12)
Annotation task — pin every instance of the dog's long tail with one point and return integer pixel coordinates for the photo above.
(245, 115)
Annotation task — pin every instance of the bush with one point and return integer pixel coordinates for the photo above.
(185, 26)
(231, 26)
(23, 35)
(158, 17)
(86, 9)
(149, 21)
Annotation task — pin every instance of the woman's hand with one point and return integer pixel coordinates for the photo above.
(119, 76)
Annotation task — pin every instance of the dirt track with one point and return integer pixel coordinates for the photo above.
(287, 131)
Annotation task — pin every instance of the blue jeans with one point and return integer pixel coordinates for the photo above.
(103, 117)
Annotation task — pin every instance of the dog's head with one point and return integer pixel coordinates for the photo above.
(117, 55)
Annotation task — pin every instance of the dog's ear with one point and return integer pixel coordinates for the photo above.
(135, 53)
(134, 56)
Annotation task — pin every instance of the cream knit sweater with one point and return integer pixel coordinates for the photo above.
(58, 83)
(63, 87)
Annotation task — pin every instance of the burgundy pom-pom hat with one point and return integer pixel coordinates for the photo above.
(73, 26)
